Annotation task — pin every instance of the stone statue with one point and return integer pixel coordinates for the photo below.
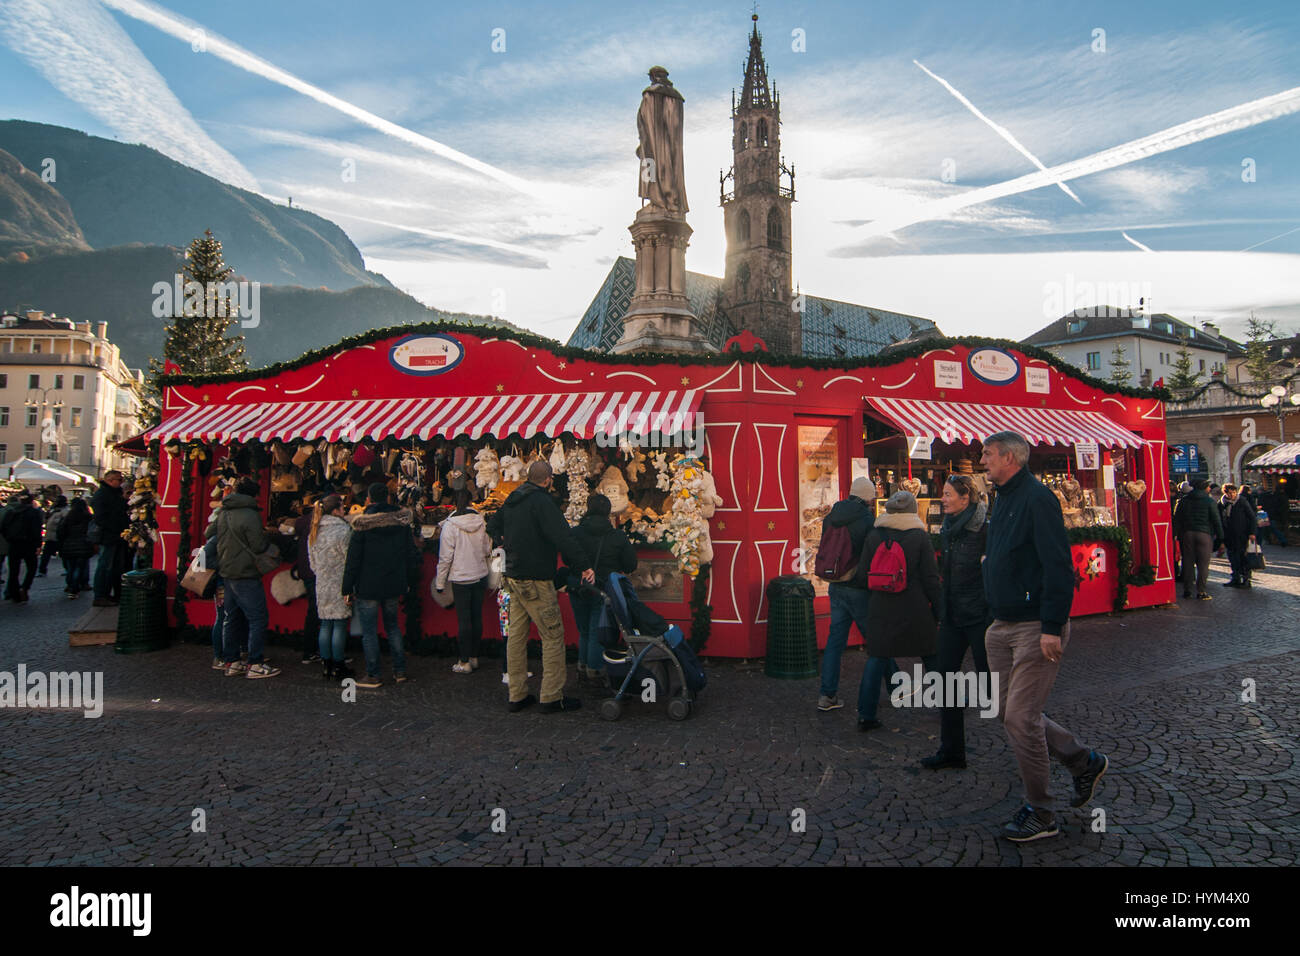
(659, 123)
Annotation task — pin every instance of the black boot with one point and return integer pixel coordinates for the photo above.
(342, 672)
(328, 666)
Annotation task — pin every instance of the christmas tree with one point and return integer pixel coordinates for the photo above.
(1119, 366)
(1183, 376)
(200, 339)
(1261, 366)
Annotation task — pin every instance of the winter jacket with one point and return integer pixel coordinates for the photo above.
(463, 550)
(905, 624)
(53, 521)
(111, 512)
(71, 536)
(22, 526)
(302, 561)
(857, 514)
(963, 538)
(1196, 512)
(534, 529)
(382, 560)
(240, 535)
(328, 556)
(1242, 523)
(1028, 574)
(606, 545)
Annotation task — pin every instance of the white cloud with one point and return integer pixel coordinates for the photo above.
(88, 57)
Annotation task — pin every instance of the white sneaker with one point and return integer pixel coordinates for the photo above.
(505, 678)
(463, 667)
(218, 664)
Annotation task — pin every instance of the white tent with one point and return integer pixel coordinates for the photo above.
(81, 476)
(32, 472)
(1278, 458)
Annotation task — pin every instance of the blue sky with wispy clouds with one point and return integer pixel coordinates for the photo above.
(504, 181)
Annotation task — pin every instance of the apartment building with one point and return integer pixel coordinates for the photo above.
(65, 393)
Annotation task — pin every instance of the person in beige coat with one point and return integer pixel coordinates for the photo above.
(327, 549)
(463, 551)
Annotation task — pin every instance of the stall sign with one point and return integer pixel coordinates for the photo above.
(993, 366)
(947, 374)
(426, 354)
(1038, 380)
(1086, 456)
(918, 446)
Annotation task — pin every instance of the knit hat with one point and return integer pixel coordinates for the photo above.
(1185, 487)
(900, 503)
(863, 488)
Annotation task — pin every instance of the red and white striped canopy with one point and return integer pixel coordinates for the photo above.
(582, 414)
(953, 422)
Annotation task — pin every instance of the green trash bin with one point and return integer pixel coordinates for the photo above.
(791, 629)
(142, 613)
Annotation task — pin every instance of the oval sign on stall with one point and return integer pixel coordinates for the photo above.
(426, 354)
(993, 366)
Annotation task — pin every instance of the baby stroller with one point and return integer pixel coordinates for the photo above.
(653, 651)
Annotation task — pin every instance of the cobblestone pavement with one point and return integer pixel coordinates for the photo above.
(287, 773)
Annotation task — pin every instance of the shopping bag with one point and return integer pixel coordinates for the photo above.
(1255, 557)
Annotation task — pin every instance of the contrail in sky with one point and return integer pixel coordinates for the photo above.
(1135, 242)
(219, 46)
(1185, 134)
(1266, 241)
(1000, 130)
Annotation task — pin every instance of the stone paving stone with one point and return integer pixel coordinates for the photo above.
(288, 774)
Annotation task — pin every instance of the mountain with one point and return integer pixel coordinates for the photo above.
(122, 194)
(116, 285)
(34, 218)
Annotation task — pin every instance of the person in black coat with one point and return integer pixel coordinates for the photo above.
(610, 551)
(383, 563)
(75, 547)
(22, 526)
(965, 614)
(1239, 529)
(112, 517)
(905, 623)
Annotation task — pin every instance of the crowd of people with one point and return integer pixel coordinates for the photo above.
(1226, 520)
(37, 527)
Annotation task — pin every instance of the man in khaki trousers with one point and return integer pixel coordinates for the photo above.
(534, 530)
(1029, 582)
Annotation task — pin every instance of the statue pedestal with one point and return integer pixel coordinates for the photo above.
(659, 317)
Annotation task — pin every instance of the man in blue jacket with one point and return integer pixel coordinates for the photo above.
(1029, 581)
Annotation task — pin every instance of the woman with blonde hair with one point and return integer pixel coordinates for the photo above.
(327, 546)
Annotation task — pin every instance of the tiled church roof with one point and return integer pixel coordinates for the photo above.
(831, 329)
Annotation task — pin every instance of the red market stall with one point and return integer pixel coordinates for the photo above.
(720, 466)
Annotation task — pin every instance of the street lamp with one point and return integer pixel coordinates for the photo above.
(1277, 402)
(49, 398)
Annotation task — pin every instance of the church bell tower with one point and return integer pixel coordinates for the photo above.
(756, 196)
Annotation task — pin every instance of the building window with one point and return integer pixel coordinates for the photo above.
(4, 381)
(74, 454)
(31, 417)
(774, 227)
(36, 348)
(52, 452)
(4, 454)
(742, 228)
(58, 416)
(4, 416)
(1202, 365)
(33, 381)
(76, 417)
(29, 450)
(79, 381)
(744, 136)
(762, 132)
(58, 381)
(1094, 361)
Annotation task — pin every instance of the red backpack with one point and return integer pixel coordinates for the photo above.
(834, 561)
(888, 571)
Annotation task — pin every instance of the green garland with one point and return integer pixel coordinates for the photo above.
(891, 356)
(701, 612)
(1202, 389)
(1128, 575)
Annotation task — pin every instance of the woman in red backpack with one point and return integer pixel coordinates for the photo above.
(903, 617)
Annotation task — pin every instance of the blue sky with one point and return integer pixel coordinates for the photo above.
(506, 180)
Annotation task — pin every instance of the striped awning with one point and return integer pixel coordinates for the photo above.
(582, 414)
(1278, 458)
(953, 422)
